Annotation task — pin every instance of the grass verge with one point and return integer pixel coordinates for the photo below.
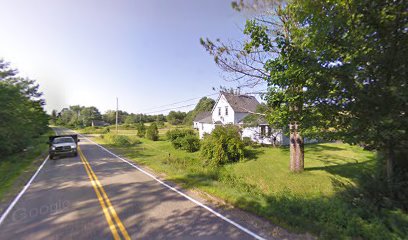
(14, 166)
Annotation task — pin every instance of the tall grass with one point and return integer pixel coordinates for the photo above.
(121, 140)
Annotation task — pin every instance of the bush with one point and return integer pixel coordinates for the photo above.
(223, 145)
(190, 143)
(185, 139)
(177, 143)
(178, 133)
(121, 140)
(247, 141)
(152, 132)
(106, 130)
(141, 129)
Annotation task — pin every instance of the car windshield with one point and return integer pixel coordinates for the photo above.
(64, 140)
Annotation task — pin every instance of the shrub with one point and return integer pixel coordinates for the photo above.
(177, 143)
(185, 139)
(106, 130)
(152, 132)
(141, 129)
(190, 143)
(121, 140)
(223, 145)
(247, 141)
(178, 133)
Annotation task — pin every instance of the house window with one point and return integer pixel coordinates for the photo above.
(219, 111)
(202, 126)
(226, 111)
(269, 131)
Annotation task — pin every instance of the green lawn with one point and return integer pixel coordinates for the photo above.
(12, 167)
(311, 201)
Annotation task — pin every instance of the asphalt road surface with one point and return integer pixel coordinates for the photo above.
(97, 195)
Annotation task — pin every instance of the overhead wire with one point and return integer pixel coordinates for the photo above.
(170, 109)
(183, 101)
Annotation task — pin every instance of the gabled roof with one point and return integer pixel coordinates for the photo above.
(203, 117)
(241, 103)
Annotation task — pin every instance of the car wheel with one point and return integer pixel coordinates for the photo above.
(75, 154)
(51, 157)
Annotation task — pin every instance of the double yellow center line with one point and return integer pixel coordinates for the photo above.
(110, 214)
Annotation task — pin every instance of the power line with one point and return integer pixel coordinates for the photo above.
(170, 109)
(183, 101)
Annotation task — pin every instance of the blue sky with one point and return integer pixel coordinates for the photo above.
(145, 52)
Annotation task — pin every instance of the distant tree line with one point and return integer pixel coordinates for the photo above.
(80, 116)
(75, 116)
(22, 116)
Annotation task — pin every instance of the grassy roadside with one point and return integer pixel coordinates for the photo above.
(312, 201)
(15, 169)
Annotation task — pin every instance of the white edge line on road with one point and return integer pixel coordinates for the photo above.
(10, 207)
(181, 193)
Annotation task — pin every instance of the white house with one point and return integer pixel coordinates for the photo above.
(232, 109)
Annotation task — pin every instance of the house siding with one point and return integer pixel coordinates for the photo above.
(205, 128)
(254, 133)
(225, 119)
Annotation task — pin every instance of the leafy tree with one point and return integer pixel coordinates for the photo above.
(149, 118)
(87, 114)
(78, 116)
(204, 105)
(152, 132)
(53, 117)
(22, 116)
(176, 118)
(130, 119)
(109, 116)
(335, 68)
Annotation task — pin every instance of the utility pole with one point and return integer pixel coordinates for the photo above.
(117, 109)
(78, 115)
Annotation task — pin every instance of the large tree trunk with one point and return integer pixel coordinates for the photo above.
(296, 150)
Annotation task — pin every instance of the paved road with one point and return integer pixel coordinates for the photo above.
(98, 196)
